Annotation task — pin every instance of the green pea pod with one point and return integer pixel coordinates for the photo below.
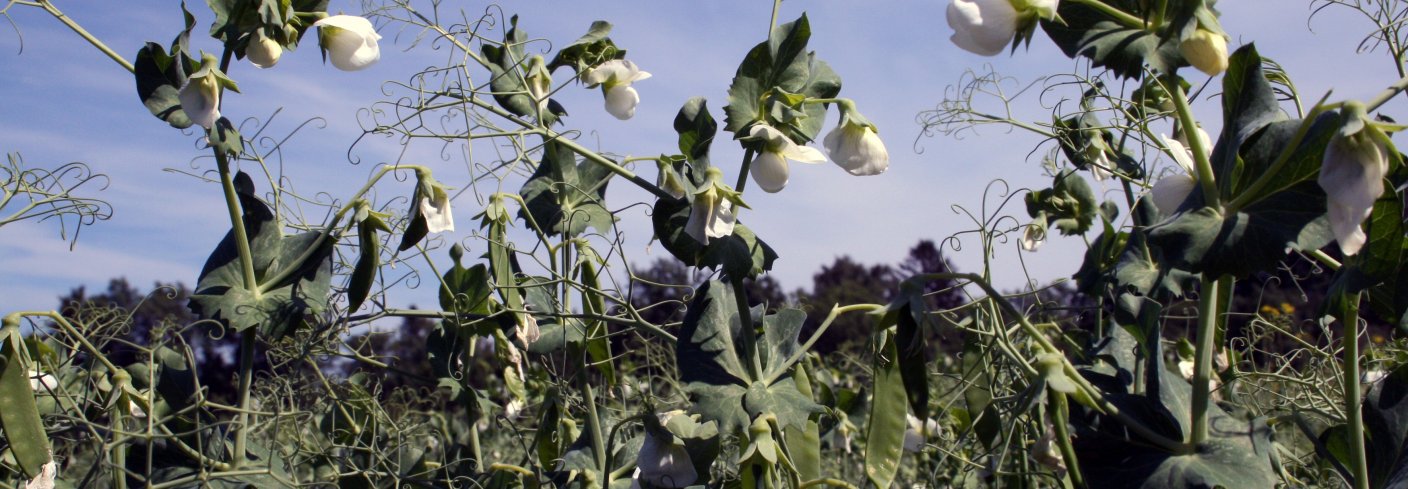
(884, 438)
(19, 416)
(804, 443)
(598, 346)
(364, 273)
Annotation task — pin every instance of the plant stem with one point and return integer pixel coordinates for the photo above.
(246, 380)
(1118, 15)
(1358, 460)
(1209, 309)
(1060, 415)
(743, 170)
(836, 311)
(1386, 95)
(232, 204)
(77, 29)
(594, 424)
(747, 332)
(1195, 144)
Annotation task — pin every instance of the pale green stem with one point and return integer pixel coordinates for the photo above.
(1287, 151)
(1386, 95)
(743, 170)
(1209, 308)
(247, 345)
(748, 331)
(1060, 415)
(68, 329)
(836, 311)
(232, 204)
(77, 29)
(1195, 144)
(1358, 461)
(594, 424)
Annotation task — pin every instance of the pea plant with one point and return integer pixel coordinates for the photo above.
(552, 363)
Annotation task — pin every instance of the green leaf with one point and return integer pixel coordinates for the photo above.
(696, 129)
(1125, 50)
(507, 65)
(804, 442)
(1253, 239)
(592, 49)
(417, 228)
(598, 341)
(224, 138)
(466, 290)
(781, 63)
(740, 254)
(566, 197)
(159, 79)
(1256, 131)
(1069, 205)
(884, 437)
(780, 335)
(220, 292)
(19, 416)
(707, 339)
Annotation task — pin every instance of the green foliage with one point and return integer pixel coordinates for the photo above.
(281, 307)
(565, 196)
(593, 48)
(774, 77)
(19, 417)
(1124, 49)
(885, 433)
(1068, 205)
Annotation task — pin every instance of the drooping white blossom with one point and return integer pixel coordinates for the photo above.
(348, 41)
(1352, 174)
(982, 27)
(437, 210)
(769, 167)
(857, 148)
(712, 214)
(200, 96)
(1170, 191)
(663, 462)
(263, 51)
(615, 78)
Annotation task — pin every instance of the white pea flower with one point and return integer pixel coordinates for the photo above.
(615, 78)
(711, 215)
(982, 27)
(1045, 451)
(539, 82)
(855, 146)
(1034, 235)
(348, 41)
(200, 96)
(1352, 174)
(663, 462)
(915, 434)
(1170, 191)
(1205, 50)
(1372, 375)
(40, 382)
(45, 479)
(769, 168)
(985, 27)
(527, 331)
(436, 209)
(263, 51)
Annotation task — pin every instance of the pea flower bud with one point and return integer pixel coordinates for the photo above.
(348, 41)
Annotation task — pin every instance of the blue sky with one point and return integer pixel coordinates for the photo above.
(61, 101)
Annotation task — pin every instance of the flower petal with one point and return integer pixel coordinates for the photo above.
(437, 214)
(857, 149)
(1170, 192)
(982, 27)
(803, 154)
(770, 171)
(200, 100)
(621, 101)
(349, 41)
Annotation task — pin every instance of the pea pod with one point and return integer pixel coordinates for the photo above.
(19, 417)
(884, 438)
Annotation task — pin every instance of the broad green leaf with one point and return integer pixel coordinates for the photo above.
(566, 197)
(804, 442)
(1251, 240)
(220, 292)
(696, 129)
(1125, 50)
(466, 290)
(780, 335)
(782, 63)
(508, 63)
(225, 139)
(884, 437)
(1386, 424)
(159, 79)
(19, 417)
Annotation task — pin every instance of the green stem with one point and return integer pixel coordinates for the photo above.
(247, 345)
(1060, 415)
(1209, 309)
(1195, 144)
(232, 204)
(743, 170)
(1358, 459)
(1386, 95)
(78, 29)
(1282, 159)
(594, 424)
(772, 23)
(747, 331)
